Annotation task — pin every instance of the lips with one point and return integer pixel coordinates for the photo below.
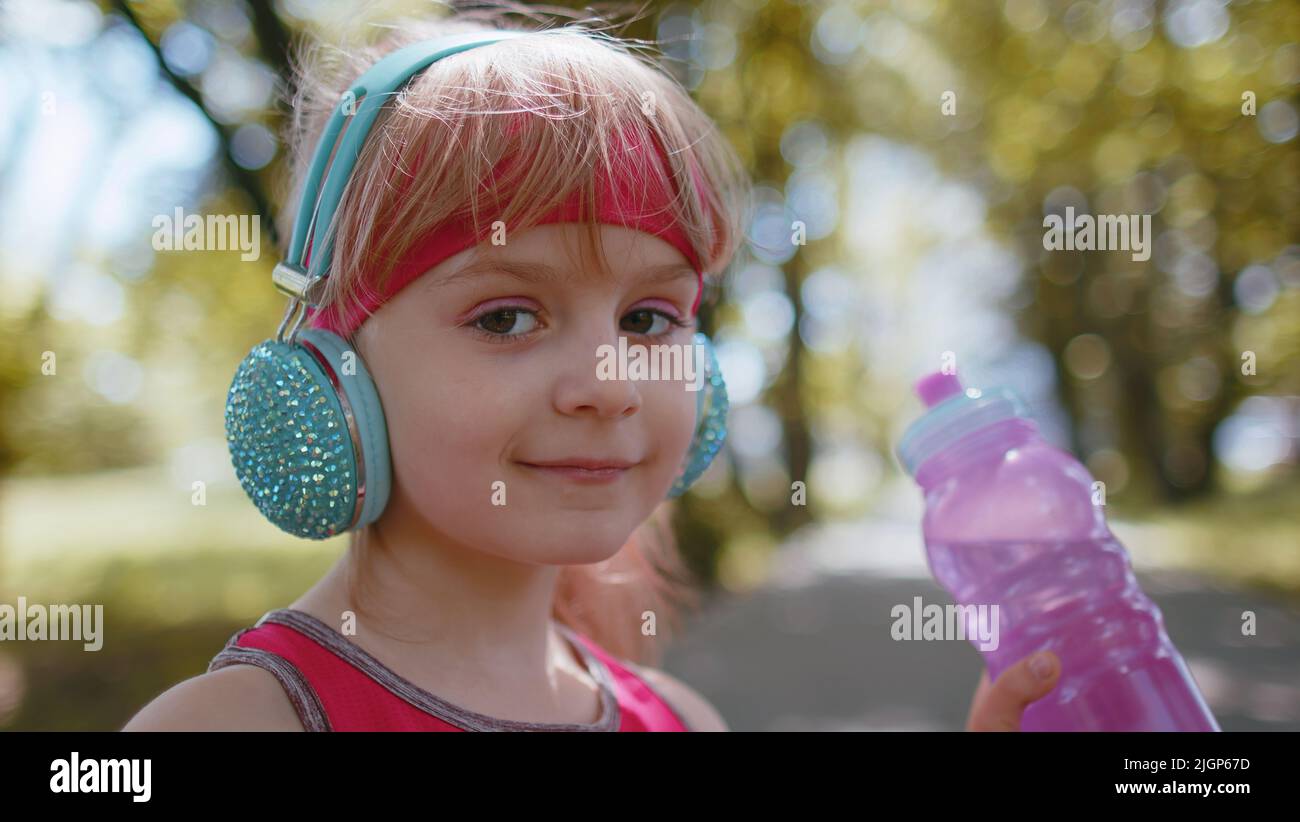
(582, 469)
(582, 462)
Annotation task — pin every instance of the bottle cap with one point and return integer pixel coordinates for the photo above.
(953, 413)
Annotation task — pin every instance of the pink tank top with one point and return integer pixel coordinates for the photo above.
(335, 685)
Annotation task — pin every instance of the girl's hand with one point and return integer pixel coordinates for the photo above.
(998, 706)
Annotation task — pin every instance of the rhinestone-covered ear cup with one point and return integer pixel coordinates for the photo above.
(711, 407)
(307, 435)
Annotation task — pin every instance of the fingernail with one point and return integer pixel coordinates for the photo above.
(1041, 665)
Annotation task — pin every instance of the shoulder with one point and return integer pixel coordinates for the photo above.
(233, 698)
(696, 711)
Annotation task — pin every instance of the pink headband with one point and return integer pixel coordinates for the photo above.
(631, 199)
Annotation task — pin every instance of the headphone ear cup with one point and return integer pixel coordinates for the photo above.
(710, 419)
(371, 428)
(302, 426)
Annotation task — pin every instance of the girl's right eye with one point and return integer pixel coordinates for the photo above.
(501, 324)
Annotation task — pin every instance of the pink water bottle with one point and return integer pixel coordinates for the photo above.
(1014, 522)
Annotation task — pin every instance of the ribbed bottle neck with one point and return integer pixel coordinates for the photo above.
(981, 445)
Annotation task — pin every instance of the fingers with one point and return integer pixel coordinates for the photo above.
(1000, 706)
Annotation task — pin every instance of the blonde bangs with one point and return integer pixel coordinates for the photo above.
(558, 101)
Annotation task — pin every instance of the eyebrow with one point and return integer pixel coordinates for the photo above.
(542, 273)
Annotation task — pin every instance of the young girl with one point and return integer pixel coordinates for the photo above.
(517, 207)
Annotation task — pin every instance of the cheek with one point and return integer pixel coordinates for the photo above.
(673, 425)
(446, 428)
(450, 430)
(446, 449)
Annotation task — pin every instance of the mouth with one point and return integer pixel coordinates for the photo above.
(583, 471)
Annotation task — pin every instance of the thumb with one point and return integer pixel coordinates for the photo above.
(1006, 699)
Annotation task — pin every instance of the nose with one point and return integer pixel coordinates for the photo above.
(582, 388)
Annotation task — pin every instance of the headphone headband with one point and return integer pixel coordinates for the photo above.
(354, 116)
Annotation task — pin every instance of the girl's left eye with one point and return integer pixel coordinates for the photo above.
(650, 322)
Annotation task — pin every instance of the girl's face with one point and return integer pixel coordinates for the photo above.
(485, 374)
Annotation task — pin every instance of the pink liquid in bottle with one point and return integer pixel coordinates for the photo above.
(1013, 521)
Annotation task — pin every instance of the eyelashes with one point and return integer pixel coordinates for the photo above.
(508, 312)
(511, 313)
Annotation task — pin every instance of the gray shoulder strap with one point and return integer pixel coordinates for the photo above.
(300, 692)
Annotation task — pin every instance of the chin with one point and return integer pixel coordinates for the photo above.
(578, 541)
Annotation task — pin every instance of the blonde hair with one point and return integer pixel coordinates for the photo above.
(558, 99)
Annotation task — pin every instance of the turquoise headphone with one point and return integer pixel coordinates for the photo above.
(304, 423)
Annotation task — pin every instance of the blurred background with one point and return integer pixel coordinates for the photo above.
(919, 144)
